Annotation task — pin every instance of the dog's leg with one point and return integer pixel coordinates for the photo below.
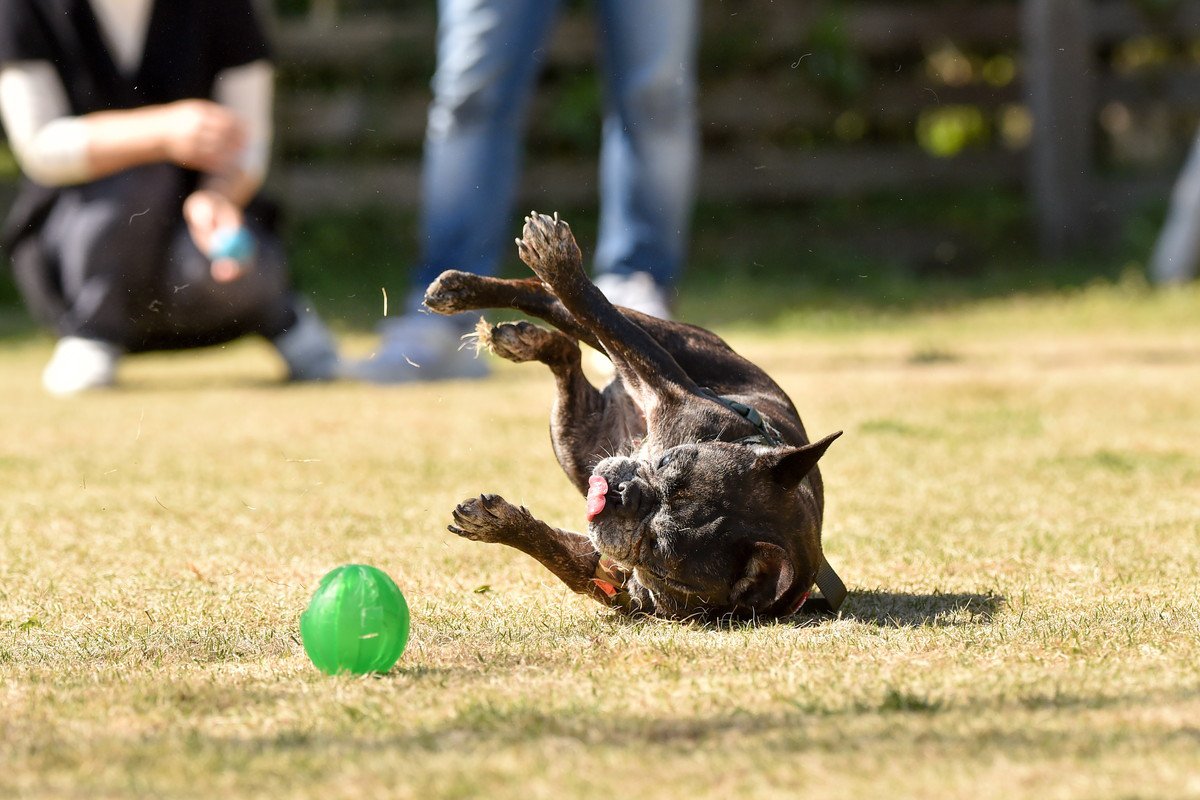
(701, 353)
(570, 556)
(455, 291)
(653, 376)
(585, 424)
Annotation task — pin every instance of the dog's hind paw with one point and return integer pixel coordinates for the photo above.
(489, 518)
(523, 341)
(548, 247)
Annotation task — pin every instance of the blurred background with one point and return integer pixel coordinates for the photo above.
(863, 156)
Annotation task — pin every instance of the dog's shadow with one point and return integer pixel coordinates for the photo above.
(880, 608)
(908, 610)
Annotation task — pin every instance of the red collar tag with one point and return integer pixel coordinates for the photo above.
(606, 587)
(796, 606)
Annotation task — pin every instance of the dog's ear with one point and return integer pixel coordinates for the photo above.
(789, 465)
(767, 577)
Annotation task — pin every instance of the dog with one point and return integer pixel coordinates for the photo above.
(712, 505)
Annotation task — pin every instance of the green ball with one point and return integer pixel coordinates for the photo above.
(356, 622)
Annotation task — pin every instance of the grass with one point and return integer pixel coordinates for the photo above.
(1016, 507)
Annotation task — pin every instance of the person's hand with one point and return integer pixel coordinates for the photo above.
(207, 212)
(202, 135)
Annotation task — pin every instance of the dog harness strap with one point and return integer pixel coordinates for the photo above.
(833, 591)
(766, 434)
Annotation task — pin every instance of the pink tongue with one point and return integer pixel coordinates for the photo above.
(597, 489)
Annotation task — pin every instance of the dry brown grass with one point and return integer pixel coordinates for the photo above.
(1016, 506)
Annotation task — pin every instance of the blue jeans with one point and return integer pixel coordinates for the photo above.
(489, 55)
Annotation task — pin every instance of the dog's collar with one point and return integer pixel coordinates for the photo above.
(832, 593)
(767, 435)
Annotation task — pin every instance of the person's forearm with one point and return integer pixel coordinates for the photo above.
(194, 134)
(228, 140)
(55, 148)
(49, 143)
(118, 140)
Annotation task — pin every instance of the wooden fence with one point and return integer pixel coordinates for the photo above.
(1086, 104)
(767, 114)
(799, 100)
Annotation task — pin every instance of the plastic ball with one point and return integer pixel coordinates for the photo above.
(356, 622)
(235, 243)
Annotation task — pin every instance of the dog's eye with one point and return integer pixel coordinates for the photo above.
(666, 459)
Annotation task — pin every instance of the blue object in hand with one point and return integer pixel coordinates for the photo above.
(236, 243)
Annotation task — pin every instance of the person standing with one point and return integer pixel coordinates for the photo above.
(1176, 255)
(489, 54)
(143, 131)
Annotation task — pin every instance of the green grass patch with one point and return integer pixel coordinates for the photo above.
(1018, 525)
(1014, 507)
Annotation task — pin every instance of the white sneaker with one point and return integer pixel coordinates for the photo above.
(80, 364)
(308, 348)
(636, 290)
(419, 347)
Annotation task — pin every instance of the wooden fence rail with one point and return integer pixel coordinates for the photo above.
(799, 100)
(767, 116)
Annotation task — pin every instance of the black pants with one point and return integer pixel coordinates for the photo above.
(113, 261)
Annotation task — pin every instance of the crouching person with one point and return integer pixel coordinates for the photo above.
(143, 132)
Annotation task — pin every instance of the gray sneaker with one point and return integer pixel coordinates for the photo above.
(419, 347)
(308, 348)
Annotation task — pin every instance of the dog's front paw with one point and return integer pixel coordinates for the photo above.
(489, 518)
(548, 247)
(451, 292)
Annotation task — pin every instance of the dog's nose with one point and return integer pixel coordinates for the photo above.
(630, 494)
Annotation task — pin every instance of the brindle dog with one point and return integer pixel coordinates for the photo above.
(716, 510)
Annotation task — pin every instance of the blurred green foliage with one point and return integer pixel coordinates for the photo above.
(832, 64)
(573, 122)
(946, 131)
(766, 264)
(8, 164)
